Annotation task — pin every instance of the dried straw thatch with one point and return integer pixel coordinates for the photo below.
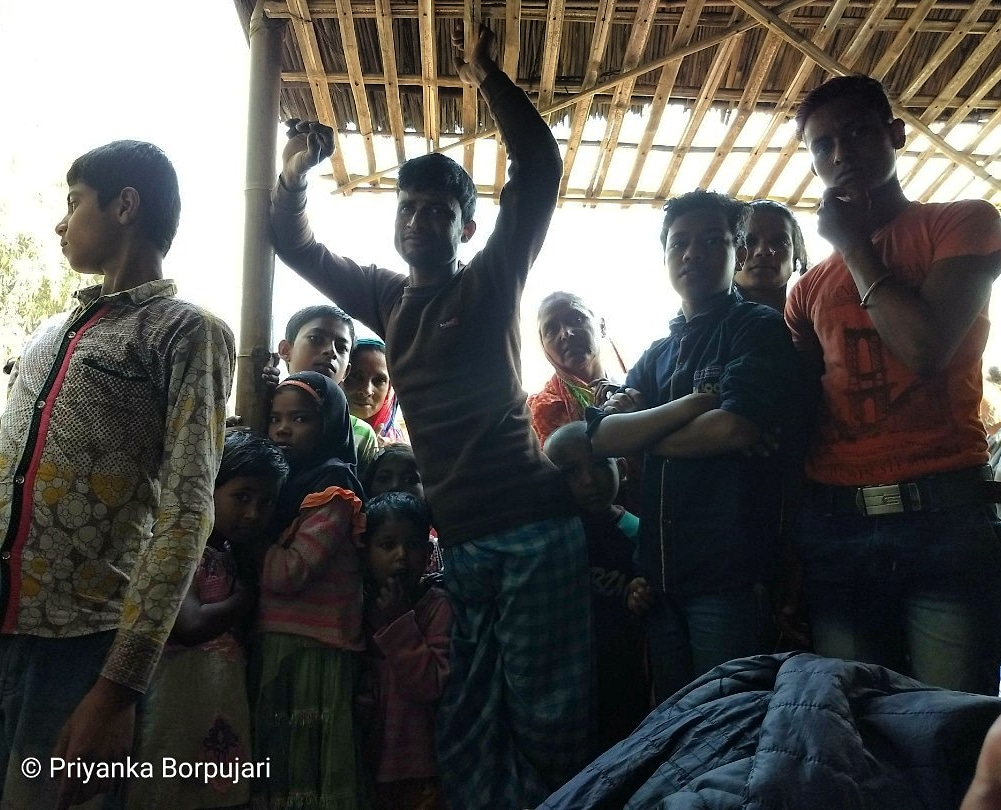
(649, 98)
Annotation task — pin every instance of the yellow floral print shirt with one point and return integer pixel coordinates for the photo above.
(109, 449)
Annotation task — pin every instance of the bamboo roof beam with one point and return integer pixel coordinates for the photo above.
(429, 73)
(852, 53)
(798, 41)
(305, 38)
(900, 42)
(716, 72)
(785, 106)
(470, 35)
(387, 47)
(604, 87)
(869, 28)
(349, 41)
(599, 41)
(948, 46)
(638, 36)
(550, 53)
(762, 65)
(662, 95)
(986, 48)
(975, 141)
(667, 13)
(957, 118)
(509, 62)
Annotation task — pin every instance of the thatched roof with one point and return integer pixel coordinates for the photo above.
(649, 99)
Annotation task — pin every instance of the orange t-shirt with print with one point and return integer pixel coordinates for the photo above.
(879, 422)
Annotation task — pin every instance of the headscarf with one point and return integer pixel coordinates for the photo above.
(332, 462)
(385, 421)
(564, 387)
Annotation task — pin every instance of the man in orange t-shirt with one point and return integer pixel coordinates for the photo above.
(899, 536)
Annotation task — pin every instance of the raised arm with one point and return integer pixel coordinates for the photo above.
(529, 197)
(922, 325)
(364, 293)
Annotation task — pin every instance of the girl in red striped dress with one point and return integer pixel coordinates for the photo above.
(310, 619)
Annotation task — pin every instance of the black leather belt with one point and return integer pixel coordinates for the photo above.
(950, 490)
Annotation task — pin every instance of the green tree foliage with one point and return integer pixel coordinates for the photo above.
(28, 293)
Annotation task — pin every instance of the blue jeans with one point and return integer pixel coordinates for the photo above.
(42, 680)
(916, 592)
(689, 636)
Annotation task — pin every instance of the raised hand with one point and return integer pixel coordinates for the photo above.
(270, 374)
(483, 59)
(309, 143)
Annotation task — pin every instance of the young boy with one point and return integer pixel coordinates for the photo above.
(320, 338)
(514, 718)
(408, 626)
(723, 377)
(108, 455)
(623, 689)
(899, 536)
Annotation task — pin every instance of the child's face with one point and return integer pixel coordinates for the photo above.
(322, 345)
(700, 255)
(398, 549)
(243, 507)
(593, 482)
(295, 423)
(397, 473)
(367, 384)
(87, 233)
(569, 336)
(767, 260)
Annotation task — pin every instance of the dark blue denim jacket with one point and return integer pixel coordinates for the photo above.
(712, 524)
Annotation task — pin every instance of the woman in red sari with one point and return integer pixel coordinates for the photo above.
(570, 336)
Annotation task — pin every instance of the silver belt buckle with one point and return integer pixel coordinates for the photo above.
(887, 500)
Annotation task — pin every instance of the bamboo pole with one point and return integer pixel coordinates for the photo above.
(258, 254)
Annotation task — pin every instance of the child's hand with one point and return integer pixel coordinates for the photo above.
(391, 603)
(244, 598)
(639, 597)
(270, 373)
(309, 143)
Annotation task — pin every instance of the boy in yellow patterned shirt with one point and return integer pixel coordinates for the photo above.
(109, 448)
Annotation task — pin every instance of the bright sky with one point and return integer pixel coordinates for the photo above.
(81, 74)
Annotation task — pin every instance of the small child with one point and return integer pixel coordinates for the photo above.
(622, 685)
(310, 618)
(409, 626)
(321, 338)
(395, 470)
(196, 709)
